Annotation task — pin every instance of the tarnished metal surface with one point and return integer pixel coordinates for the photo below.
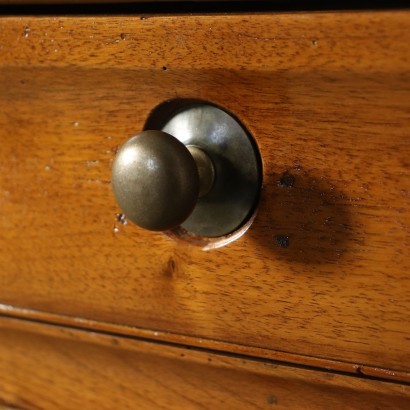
(237, 168)
(206, 170)
(155, 180)
(201, 171)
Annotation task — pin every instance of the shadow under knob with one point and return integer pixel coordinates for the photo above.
(155, 180)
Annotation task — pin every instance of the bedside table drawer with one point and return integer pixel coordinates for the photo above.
(322, 271)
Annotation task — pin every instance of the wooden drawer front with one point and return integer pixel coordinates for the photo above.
(326, 97)
(57, 368)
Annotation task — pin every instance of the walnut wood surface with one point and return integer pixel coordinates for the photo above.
(50, 367)
(209, 344)
(327, 98)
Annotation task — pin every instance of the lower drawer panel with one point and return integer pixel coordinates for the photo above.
(51, 367)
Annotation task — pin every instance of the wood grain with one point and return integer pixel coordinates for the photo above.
(327, 98)
(108, 372)
(209, 344)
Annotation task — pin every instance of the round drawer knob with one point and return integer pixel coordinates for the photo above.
(157, 180)
(200, 174)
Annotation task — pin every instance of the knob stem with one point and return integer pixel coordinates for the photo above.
(206, 169)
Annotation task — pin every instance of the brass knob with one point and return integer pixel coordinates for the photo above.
(157, 180)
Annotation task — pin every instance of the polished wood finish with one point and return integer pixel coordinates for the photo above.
(326, 97)
(67, 368)
(210, 344)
